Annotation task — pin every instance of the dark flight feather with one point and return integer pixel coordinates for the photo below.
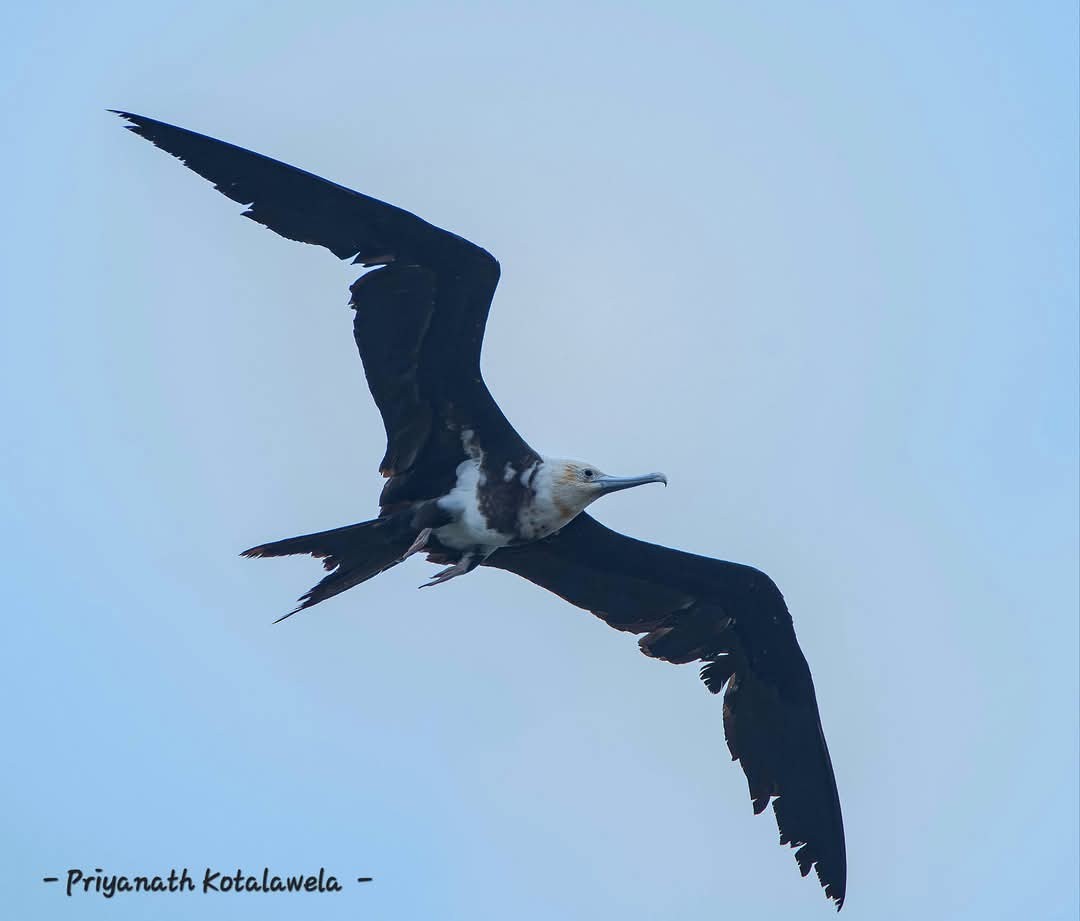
(734, 619)
(420, 319)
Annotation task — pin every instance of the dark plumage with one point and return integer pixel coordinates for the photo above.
(465, 488)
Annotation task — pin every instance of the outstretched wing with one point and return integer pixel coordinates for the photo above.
(419, 319)
(734, 619)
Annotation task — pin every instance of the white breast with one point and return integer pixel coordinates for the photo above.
(469, 527)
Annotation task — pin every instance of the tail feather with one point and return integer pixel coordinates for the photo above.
(353, 554)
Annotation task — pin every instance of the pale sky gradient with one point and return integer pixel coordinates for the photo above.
(816, 262)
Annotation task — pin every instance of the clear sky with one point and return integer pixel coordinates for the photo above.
(816, 262)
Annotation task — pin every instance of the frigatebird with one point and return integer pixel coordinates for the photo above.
(465, 488)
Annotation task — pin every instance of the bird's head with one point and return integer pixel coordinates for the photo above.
(576, 484)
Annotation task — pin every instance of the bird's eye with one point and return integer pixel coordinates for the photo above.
(588, 474)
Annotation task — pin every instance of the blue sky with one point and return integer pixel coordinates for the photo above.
(816, 262)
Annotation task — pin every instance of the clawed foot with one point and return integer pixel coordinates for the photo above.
(419, 544)
(466, 564)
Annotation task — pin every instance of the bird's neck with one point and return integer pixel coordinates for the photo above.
(555, 504)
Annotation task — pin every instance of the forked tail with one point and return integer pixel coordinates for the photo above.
(353, 554)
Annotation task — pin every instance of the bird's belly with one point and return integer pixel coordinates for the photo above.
(465, 534)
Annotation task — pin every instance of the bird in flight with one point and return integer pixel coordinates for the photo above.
(465, 489)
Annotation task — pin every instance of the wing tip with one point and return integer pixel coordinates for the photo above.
(128, 116)
(833, 883)
(833, 890)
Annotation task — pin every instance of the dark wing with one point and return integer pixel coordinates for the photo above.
(733, 618)
(419, 320)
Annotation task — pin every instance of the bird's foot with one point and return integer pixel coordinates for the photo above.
(467, 563)
(419, 544)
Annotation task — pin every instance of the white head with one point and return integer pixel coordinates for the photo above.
(576, 484)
